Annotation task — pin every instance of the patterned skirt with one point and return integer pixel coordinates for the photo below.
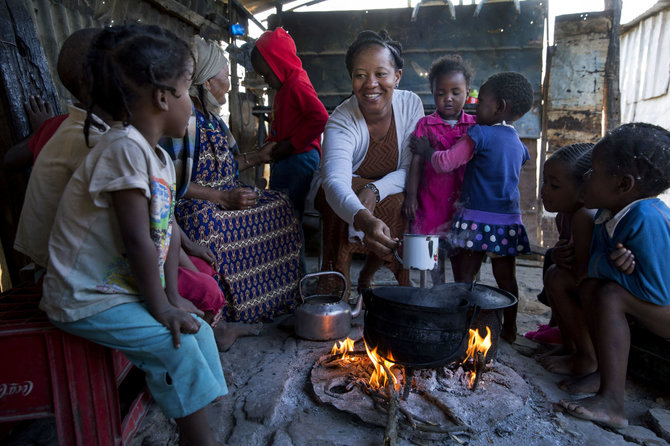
(501, 234)
(257, 252)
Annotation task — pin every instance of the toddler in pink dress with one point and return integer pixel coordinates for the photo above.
(429, 203)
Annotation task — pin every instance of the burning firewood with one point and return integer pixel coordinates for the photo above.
(480, 364)
(391, 432)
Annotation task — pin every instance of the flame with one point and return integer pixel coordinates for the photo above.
(379, 378)
(345, 347)
(477, 344)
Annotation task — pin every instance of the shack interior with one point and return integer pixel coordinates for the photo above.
(570, 82)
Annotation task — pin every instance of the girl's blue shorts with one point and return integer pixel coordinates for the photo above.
(181, 380)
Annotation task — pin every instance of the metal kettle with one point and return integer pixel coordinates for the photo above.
(323, 317)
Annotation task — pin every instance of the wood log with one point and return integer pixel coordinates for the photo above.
(391, 432)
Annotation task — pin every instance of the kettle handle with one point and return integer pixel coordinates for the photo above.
(324, 273)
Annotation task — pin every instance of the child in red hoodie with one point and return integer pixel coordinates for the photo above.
(297, 120)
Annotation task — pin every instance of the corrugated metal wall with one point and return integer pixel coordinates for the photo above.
(645, 71)
(57, 19)
(499, 39)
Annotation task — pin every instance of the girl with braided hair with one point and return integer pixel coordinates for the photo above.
(114, 246)
(628, 271)
(562, 192)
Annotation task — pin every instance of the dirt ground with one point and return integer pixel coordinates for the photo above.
(271, 402)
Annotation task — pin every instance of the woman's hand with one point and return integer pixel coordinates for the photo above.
(255, 157)
(421, 146)
(377, 234)
(240, 198)
(623, 259)
(409, 206)
(368, 199)
(177, 321)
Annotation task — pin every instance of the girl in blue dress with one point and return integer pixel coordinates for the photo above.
(489, 217)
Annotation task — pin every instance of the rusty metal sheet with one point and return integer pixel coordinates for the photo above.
(645, 77)
(499, 39)
(575, 99)
(57, 19)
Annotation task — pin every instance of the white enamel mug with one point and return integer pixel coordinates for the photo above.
(419, 251)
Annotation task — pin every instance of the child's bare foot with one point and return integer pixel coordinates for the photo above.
(581, 385)
(226, 333)
(569, 365)
(598, 409)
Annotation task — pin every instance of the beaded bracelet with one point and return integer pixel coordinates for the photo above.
(374, 189)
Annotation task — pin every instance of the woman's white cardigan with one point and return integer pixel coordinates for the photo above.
(345, 144)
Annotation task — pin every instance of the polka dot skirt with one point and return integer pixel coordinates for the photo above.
(504, 240)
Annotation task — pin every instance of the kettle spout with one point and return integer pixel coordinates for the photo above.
(357, 309)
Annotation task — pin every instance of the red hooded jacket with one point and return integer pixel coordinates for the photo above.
(297, 113)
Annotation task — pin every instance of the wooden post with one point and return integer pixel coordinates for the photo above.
(612, 102)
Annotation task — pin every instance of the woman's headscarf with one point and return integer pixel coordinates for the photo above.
(209, 61)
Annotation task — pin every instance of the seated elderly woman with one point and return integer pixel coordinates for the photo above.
(365, 161)
(253, 233)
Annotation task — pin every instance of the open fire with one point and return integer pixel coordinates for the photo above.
(478, 347)
(379, 377)
(383, 381)
(419, 402)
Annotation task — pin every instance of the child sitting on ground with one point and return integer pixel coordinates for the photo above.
(430, 197)
(562, 192)
(112, 271)
(630, 167)
(489, 219)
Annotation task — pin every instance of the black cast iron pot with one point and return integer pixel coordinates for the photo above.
(426, 328)
(415, 327)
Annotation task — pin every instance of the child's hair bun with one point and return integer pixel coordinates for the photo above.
(367, 38)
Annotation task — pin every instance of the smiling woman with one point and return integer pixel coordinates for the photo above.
(365, 161)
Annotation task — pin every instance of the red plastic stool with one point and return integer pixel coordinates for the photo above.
(49, 372)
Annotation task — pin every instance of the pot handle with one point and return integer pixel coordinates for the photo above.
(324, 273)
(395, 253)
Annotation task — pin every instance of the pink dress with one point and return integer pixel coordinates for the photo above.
(439, 191)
